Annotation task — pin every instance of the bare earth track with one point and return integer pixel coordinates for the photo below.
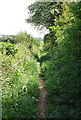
(41, 105)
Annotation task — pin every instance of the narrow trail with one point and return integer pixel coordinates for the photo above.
(41, 104)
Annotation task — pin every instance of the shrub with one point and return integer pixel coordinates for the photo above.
(8, 48)
(63, 71)
(20, 88)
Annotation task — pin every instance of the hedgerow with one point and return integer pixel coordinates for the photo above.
(20, 81)
(62, 71)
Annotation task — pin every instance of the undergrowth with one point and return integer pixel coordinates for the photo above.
(20, 78)
(62, 72)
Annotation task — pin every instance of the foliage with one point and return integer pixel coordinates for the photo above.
(8, 48)
(49, 42)
(42, 14)
(24, 37)
(9, 38)
(20, 82)
(32, 44)
(60, 64)
(62, 71)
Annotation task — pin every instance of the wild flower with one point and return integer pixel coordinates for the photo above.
(24, 88)
(38, 63)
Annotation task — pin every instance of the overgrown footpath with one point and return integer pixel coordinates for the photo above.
(20, 77)
(60, 66)
(41, 113)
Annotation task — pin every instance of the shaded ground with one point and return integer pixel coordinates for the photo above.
(41, 104)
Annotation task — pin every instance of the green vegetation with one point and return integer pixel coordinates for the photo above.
(20, 77)
(7, 38)
(42, 14)
(59, 60)
(62, 70)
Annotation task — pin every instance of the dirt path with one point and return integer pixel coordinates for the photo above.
(41, 104)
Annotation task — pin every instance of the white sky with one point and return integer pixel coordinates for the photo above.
(12, 18)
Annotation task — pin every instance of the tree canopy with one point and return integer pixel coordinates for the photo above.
(42, 14)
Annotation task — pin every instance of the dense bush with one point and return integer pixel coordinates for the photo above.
(62, 72)
(32, 44)
(20, 82)
(8, 48)
(9, 38)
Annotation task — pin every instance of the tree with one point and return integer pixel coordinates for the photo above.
(42, 14)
